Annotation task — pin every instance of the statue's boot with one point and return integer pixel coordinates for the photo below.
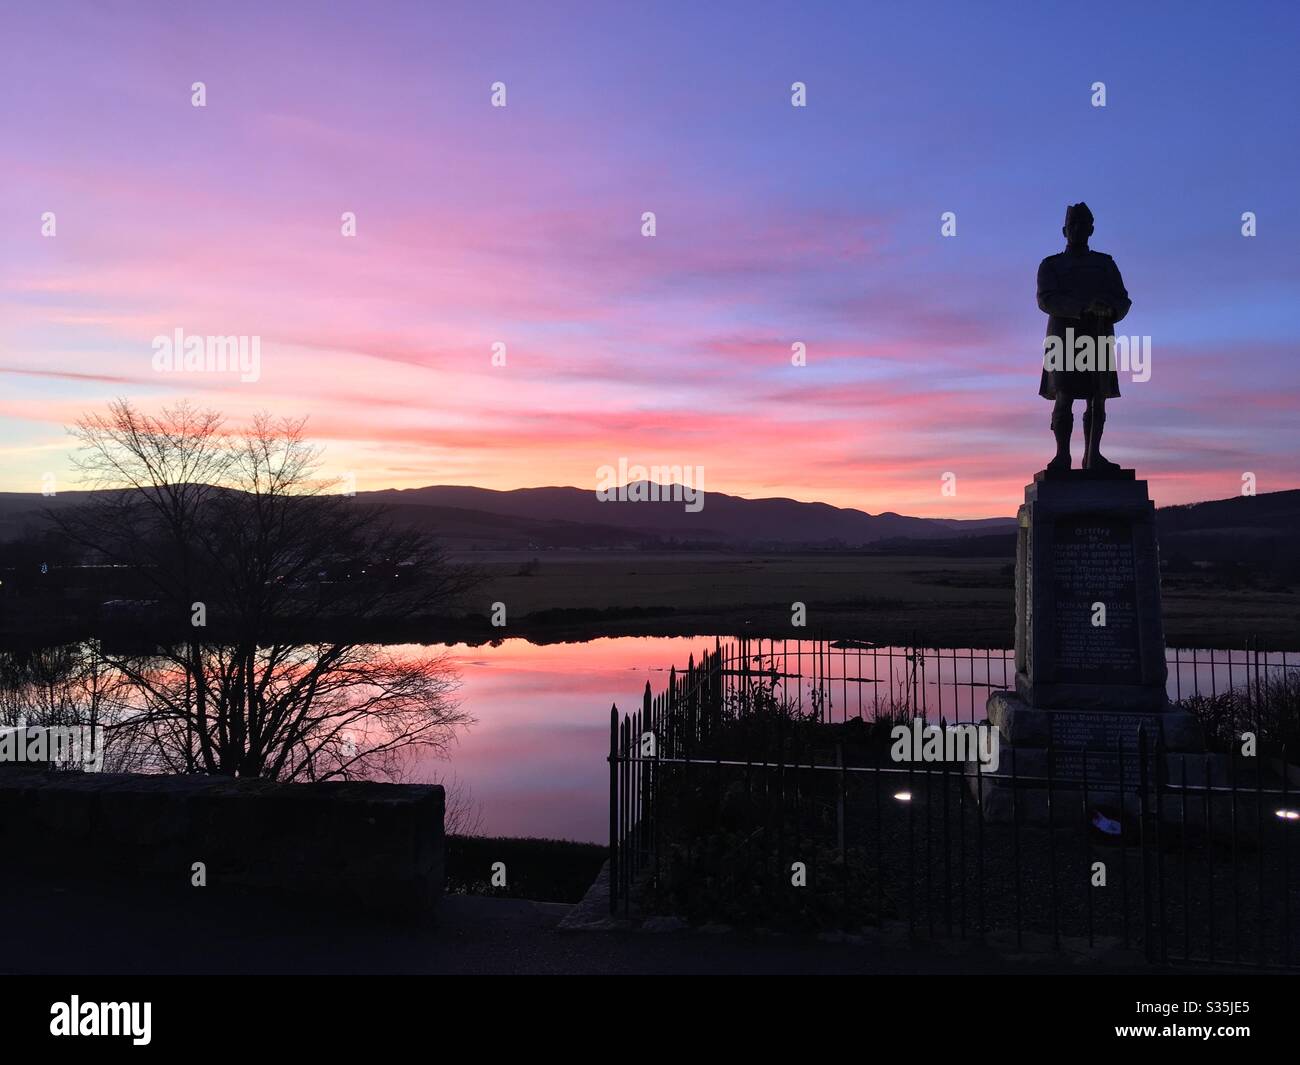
(1062, 427)
(1093, 459)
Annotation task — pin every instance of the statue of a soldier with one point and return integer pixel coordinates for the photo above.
(1083, 295)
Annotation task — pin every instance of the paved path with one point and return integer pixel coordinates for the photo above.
(58, 928)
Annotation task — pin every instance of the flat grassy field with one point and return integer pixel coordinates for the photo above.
(888, 599)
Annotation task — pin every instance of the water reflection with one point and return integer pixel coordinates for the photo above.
(534, 758)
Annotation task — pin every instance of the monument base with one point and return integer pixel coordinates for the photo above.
(1078, 749)
(1088, 625)
(1090, 656)
(1098, 731)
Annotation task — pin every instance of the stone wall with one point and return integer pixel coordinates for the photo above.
(372, 847)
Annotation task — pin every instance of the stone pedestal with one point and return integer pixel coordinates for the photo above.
(1090, 649)
(1087, 545)
(1073, 746)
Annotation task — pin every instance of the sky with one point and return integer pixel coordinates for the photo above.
(775, 225)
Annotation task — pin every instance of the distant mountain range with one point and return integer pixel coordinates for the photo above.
(468, 518)
(575, 517)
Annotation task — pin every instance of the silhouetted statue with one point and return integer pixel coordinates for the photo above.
(1083, 295)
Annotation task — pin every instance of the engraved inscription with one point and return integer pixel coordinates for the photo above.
(1092, 562)
(1103, 735)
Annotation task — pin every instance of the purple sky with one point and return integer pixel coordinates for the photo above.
(775, 225)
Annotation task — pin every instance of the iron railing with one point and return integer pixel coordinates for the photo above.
(1187, 857)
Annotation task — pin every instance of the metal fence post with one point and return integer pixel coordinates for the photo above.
(613, 808)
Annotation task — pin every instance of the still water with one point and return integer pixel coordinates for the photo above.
(534, 758)
(534, 762)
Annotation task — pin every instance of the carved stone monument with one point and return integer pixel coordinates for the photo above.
(1089, 633)
(1090, 643)
(1090, 649)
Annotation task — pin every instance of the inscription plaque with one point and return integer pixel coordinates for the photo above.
(1103, 734)
(1092, 562)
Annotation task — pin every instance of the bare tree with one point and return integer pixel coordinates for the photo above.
(260, 578)
(67, 685)
(462, 814)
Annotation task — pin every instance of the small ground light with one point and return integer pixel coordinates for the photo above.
(1288, 815)
(903, 796)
